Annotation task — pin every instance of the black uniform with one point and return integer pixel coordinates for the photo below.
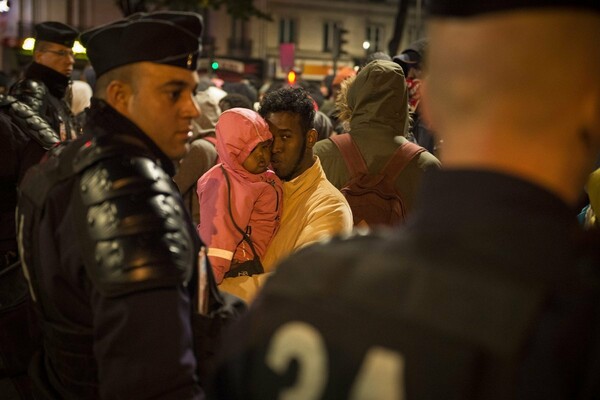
(24, 139)
(109, 250)
(485, 294)
(45, 91)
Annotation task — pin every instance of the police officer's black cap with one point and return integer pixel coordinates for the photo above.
(171, 38)
(466, 8)
(55, 32)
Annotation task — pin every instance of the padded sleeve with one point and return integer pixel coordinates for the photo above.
(133, 227)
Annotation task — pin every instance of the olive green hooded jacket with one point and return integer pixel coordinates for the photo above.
(376, 107)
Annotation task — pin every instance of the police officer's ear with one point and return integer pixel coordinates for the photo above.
(311, 138)
(118, 94)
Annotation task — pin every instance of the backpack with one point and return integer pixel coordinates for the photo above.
(373, 198)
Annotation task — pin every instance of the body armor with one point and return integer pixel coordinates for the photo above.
(132, 235)
(133, 222)
(32, 93)
(55, 111)
(28, 119)
(28, 137)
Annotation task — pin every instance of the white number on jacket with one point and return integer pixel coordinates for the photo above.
(380, 377)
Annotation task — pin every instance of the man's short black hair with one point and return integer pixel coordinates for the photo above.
(235, 100)
(290, 99)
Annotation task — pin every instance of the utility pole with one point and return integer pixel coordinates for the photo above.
(339, 40)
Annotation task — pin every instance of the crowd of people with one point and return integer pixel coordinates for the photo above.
(140, 213)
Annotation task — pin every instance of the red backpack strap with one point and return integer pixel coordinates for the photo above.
(354, 160)
(400, 159)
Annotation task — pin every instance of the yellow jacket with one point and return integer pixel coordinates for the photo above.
(313, 210)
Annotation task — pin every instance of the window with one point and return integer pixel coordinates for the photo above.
(287, 30)
(374, 36)
(329, 28)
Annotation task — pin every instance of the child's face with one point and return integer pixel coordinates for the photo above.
(258, 161)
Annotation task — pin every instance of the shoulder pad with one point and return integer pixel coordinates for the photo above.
(30, 92)
(31, 123)
(6, 101)
(136, 234)
(55, 167)
(96, 150)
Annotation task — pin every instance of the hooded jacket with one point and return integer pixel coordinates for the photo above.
(377, 104)
(256, 199)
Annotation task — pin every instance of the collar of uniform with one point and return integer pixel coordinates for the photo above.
(473, 191)
(56, 82)
(304, 181)
(102, 115)
(500, 219)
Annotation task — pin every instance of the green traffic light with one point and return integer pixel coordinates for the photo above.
(214, 65)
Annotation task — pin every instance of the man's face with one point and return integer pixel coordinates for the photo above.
(56, 56)
(290, 153)
(161, 103)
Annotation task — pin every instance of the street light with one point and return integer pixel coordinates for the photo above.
(291, 78)
(4, 6)
(29, 45)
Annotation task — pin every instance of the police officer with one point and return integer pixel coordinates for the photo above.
(104, 238)
(488, 293)
(46, 85)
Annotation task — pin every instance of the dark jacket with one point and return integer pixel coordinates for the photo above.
(45, 91)
(486, 294)
(424, 136)
(109, 257)
(17, 153)
(25, 139)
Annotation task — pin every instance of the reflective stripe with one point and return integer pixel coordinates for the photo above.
(228, 255)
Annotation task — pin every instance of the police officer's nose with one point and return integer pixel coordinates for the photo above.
(191, 108)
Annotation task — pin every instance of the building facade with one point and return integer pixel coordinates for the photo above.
(305, 28)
